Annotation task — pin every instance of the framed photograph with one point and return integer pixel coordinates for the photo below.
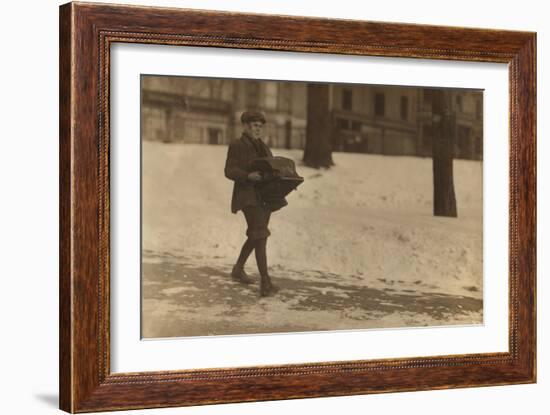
(258, 207)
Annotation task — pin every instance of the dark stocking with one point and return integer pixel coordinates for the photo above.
(261, 257)
(247, 248)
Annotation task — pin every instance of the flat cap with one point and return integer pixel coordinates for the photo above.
(251, 116)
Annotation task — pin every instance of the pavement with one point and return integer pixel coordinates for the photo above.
(195, 296)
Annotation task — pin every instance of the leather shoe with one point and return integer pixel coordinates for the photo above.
(241, 276)
(267, 288)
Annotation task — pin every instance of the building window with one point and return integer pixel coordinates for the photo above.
(479, 147)
(347, 99)
(253, 94)
(284, 97)
(342, 124)
(404, 110)
(379, 104)
(428, 96)
(216, 86)
(459, 103)
(271, 92)
(427, 137)
(464, 143)
(215, 136)
(479, 109)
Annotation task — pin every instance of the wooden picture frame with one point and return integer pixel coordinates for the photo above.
(86, 33)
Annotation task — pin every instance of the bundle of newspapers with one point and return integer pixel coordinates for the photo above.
(279, 178)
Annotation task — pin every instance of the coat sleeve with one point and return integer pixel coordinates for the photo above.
(234, 170)
(267, 149)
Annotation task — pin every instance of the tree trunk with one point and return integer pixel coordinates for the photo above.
(318, 149)
(442, 153)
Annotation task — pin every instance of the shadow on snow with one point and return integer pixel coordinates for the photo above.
(187, 282)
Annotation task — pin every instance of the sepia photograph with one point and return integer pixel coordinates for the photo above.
(274, 206)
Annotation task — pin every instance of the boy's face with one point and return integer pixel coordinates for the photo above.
(254, 129)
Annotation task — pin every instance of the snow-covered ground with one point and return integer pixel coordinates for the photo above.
(357, 247)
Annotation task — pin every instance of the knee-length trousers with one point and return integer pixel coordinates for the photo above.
(257, 219)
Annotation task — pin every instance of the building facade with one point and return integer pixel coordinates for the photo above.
(364, 118)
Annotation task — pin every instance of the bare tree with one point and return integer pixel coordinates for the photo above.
(442, 153)
(318, 148)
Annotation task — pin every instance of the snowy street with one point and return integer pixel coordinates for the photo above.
(357, 247)
(183, 298)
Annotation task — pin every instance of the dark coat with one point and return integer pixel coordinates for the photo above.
(239, 155)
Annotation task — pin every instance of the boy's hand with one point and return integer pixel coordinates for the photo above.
(255, 176)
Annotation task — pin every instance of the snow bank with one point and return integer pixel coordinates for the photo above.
(368, 218)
